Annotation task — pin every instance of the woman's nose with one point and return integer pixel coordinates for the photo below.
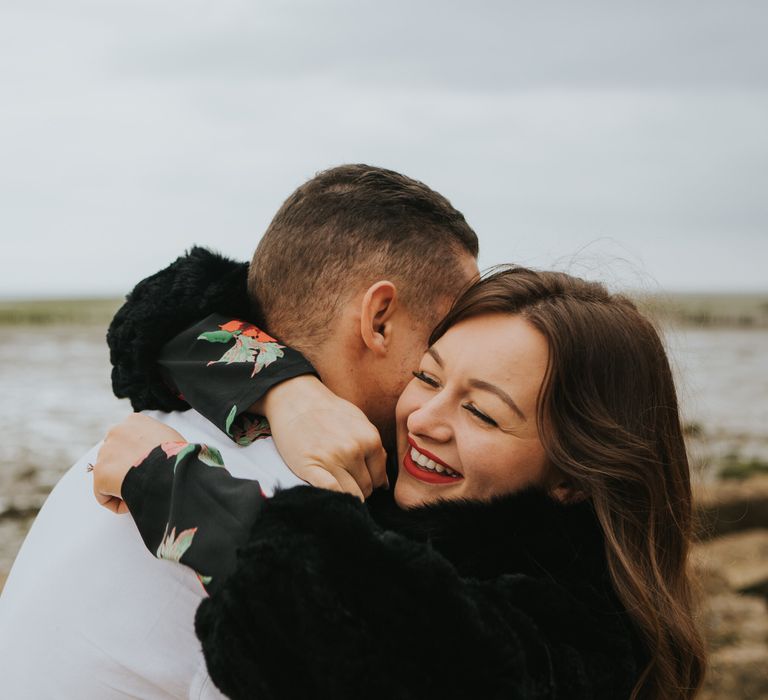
(431, 420)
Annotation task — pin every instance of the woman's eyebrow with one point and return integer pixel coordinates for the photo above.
(503, 395)
(435, 355)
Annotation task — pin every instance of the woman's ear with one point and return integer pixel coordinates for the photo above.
(376, 310)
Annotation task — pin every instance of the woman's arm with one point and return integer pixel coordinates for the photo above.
(164, 357)
(161, 306)
(183, 339)
(188, 508)
(222, 366)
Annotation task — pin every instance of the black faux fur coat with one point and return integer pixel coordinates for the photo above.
(195, 285)
(335, 599)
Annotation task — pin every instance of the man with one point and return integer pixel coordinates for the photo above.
(353, 271)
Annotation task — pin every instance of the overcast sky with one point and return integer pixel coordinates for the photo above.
(623, 140)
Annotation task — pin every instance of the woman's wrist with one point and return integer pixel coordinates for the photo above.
(290, 396)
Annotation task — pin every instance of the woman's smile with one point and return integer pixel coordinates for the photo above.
(427, 467)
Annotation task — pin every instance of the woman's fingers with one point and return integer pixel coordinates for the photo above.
(354, 467)
(376, 461)
(126, 445)
(113, 503)
(349, 484)
(321, 478)
(334, 480)
(312, 427)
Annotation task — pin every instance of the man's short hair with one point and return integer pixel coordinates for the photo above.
(345, 229)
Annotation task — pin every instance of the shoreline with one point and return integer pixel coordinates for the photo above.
(711, 310)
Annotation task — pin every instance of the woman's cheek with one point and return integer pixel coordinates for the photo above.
(408, 401)
(406, 404)
(487, 465)
(401, 409)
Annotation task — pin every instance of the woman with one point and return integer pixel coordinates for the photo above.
(539, 544)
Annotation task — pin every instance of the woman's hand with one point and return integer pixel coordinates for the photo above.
(326, 441)
(125, 446)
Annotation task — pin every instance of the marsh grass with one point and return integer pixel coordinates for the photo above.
(54, 311)
(734, 466)
(708, 310)
(701, 310)
(689, 309)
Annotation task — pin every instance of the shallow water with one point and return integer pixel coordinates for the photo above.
(56, 403)
(722, 379)
(56, 400)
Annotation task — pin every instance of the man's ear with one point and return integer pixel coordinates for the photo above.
(376, 310)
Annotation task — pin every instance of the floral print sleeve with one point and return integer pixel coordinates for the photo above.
(222, 366)
(190, 509)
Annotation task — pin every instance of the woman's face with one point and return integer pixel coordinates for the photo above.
(466, 422)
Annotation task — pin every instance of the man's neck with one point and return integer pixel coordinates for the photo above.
(338, 372)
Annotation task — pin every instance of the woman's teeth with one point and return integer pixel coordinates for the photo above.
(430, 465)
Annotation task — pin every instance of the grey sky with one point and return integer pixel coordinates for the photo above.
(626, 140)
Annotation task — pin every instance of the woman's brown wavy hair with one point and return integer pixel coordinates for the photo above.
(609, 421)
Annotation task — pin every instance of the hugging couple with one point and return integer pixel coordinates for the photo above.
(504, 501)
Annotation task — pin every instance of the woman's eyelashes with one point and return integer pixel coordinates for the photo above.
(435, 384)
(477, 412)
(427, 379)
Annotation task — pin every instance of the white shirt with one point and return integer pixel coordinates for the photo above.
(88, 613)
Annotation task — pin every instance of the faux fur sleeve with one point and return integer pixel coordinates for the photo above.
(162, 305)
(325, 604)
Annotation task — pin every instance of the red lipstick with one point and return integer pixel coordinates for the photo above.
(425, 475)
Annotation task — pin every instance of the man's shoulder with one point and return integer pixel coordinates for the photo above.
(87, 607)
(260, 460)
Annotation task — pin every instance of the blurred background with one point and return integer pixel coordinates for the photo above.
(620, 141)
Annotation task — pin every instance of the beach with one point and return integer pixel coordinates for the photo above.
(56, 403)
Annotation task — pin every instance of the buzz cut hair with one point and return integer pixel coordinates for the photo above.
(347, 228)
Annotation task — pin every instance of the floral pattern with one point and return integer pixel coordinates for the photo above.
(222, 366)
(248, 429)
(178, 450)
(251, 345)
(210, 456)
(172, 548)
(171, 449)
(183, 502)
(230, 419)
(244, 429)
